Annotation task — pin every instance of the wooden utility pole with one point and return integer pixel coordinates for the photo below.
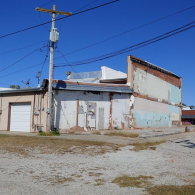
(53, 41)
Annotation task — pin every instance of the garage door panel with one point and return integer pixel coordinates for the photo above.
(20, 117)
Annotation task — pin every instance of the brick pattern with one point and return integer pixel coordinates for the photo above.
(188, 112)
(168, 78)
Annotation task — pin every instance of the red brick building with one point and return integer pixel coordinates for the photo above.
(188, 117)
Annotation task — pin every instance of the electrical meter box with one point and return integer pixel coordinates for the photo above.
(54, 35)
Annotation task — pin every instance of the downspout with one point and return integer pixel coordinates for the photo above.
(110, 119)
(181, 103)
(40, 107)
(33, 124)
(1, 109)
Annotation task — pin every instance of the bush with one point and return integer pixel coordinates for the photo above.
(56, 132)
(51, 133)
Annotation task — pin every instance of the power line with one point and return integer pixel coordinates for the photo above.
(41, 21)
(107, 38)
(139, 45)
(78, 10)
(47, 54)
(14, 101)
(20, 60)
(21, 48)
(113, 54)
(40, 13)
(86, 5)
(69, 64)
(46, 3)
(26, 68)
(4, 84)
(21, 70)
(58, 19)
(136, 44)
(154, 21)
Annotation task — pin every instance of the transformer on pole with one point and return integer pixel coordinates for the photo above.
(54, 37)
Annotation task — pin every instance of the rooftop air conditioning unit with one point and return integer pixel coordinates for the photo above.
(54, 35)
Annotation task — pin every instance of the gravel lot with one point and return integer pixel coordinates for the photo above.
(172, 163)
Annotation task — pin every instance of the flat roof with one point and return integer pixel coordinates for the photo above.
(82, 86)
(20, 90)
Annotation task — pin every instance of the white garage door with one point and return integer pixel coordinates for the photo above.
(20, 117)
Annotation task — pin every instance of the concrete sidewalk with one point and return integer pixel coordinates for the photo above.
(104, 138)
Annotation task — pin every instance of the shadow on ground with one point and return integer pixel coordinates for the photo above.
(186, 143)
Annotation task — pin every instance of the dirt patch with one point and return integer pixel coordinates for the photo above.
(121, 134)
(96, 133)
(172, 190)
(146, 146)
(29, 146)
(76, 129)
(126, 181)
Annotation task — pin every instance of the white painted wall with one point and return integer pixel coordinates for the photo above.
(108, 73)
(120, 111)
(153, 114)
(148, 84)
(65, 108)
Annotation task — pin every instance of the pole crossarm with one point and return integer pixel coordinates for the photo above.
(50, 125)
(53, 11)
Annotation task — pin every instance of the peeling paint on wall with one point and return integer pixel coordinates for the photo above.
(113, 107)
(154, 114)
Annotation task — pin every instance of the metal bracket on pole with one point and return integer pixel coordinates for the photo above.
(54, 36)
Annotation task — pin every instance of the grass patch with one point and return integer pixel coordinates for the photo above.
(172, 190)
(146, 146)
(126, 181)
(53, 180)
(96, 133)
(51, 133)
(28, 146)
(99, 182)
(116, 128)
(122, 134)
(95, 174)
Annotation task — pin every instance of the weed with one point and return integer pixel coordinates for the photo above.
(126, 181)
(146, 146)
(122, 134)
(51, 133)
(171, 190)
(96, 133)
(116, 128)
(95, 174)
(28, 146)
(57, 133)
(53, 180)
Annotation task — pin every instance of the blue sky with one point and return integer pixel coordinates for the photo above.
(175, 54)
